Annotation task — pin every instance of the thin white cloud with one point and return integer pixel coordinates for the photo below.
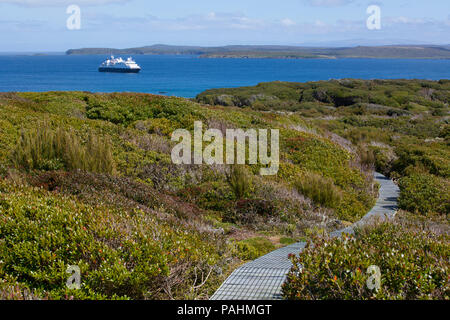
(320, 23)
(328, 3)
(221, 27)
(210, 21)
(402, 21)
(287, 22)
(222, 21)
(56, 3)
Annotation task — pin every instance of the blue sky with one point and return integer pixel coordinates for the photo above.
(40, 25)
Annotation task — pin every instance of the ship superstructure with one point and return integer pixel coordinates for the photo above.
(119, 65)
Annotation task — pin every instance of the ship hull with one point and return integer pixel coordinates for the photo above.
(118, 70)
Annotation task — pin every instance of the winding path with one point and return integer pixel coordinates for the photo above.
(261, 279)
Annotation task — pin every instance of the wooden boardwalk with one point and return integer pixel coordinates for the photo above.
(261, 279)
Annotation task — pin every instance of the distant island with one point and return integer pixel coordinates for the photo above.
(283, 52)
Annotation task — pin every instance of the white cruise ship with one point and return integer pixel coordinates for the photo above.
(119, 65)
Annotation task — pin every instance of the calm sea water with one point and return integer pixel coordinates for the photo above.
(186, 76)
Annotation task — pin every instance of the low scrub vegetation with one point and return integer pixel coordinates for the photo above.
(128, 254)
(412, 260)
(398, 127)
(383, 97)
(424, 193)
(253, 248)
(93, 184)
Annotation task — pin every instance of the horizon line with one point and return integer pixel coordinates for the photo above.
(227, 45)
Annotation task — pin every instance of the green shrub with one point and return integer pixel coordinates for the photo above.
(3, 170)
(214, 195)
(352, 206)
(287, 240)
(413, 265)
(122, 253)
(383, 159)
(424, 194)
(250, 249)
(46, 149)
(444, 133)
(432, 160)
(250, 211)
(126, 108)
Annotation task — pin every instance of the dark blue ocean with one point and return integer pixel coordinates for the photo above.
(186, 76)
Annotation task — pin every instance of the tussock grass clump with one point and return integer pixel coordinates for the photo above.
(238, 180)
(367, 157)
(44, 148)
(319, 189)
